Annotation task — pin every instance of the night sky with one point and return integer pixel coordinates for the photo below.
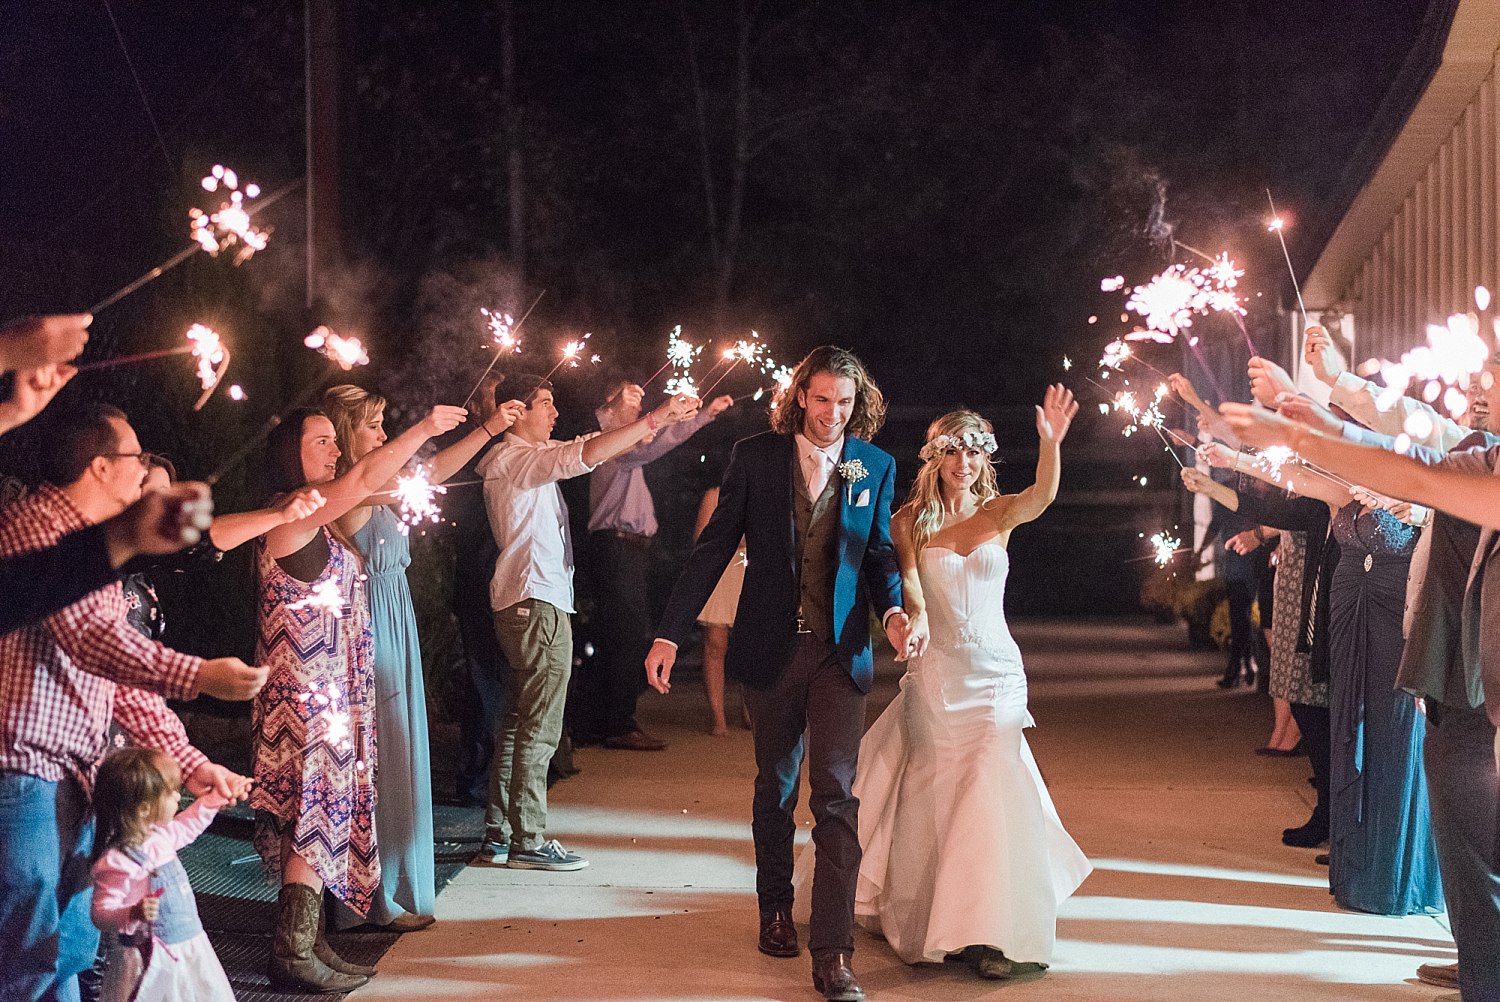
(939, 186)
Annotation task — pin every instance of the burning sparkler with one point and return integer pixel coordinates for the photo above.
(204, 344)
(504, 336)
(417, 496)
(1453, 354)
(1165, 547)
(502, 330)
(347, 352)
(230, 224)
(325, 597)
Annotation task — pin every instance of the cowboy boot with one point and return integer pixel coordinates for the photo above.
(293, 964)
(323, 950)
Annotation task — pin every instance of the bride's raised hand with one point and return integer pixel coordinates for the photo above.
(1056, 413)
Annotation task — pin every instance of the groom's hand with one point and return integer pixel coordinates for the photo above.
(917, 636)
(896, 625)
(659, 664)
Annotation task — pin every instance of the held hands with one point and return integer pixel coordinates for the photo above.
(1055, 414)
(1322, 356)
(659, 662)
(230, 679)
(505, 415)
(914, 638)
(1269, 382)
(37, 342)
(211, 778)
(443, 418)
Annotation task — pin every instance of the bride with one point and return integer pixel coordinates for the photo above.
(964, 854)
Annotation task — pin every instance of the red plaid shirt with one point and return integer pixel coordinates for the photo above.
(58, 690)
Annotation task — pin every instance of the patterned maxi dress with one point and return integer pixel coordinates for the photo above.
(315, 727)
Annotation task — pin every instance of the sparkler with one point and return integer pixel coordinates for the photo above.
(198, 245)
(743, 351)
(347, 352)
(510, 332)
(1452, 355)
(1165, 547)
(230, 224)
(680, 354)
(681, 384)
(416, 494)
(1277, 225)
(203, 343)
(323, 596)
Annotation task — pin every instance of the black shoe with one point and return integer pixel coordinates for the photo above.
(1308, 836)
(1321, 859)
(778, 936)
(1229, 680)
(834, 978)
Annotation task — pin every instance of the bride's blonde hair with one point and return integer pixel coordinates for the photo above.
(926, 498)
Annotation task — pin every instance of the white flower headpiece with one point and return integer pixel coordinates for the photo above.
(981, 440)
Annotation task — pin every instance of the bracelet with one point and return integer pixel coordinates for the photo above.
(651, 420)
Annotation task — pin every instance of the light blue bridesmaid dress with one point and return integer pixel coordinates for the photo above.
(403, 785)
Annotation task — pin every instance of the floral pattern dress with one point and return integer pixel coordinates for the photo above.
(314, 726)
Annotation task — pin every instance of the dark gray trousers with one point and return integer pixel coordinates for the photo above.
(1459, 754)
(814, 698)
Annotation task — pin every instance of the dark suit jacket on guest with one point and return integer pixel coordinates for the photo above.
(755, 501)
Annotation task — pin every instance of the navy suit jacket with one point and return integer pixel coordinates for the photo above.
(755, 501)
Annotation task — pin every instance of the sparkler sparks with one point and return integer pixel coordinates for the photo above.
(681, 384)
(213, 360)
(502, 330)
(1453, 354)
(1165, 547)
(417, 496)
(1169, 301)
(347, 352)
(230, 224)
(324, 596)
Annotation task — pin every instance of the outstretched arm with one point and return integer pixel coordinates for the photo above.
(1053, 419)
(1463, 484)
(1208, 419)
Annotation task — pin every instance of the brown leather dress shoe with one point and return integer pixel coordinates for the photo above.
(778, 936)
(636, 740)
(833, 976)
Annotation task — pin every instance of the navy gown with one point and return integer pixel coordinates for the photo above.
(1381, 852)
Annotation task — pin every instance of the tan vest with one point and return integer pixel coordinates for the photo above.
(817, 538)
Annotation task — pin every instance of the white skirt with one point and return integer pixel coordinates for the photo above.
(183, 972)
(722, 605)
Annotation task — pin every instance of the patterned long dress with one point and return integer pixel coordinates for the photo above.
(315, 727)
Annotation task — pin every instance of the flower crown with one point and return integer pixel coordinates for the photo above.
(938, 446)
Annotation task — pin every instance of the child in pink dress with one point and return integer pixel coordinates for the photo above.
(142, 901)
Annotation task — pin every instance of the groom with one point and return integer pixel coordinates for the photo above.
(812, 498)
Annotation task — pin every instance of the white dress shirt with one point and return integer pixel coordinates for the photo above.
(530, 520)
(818, 462)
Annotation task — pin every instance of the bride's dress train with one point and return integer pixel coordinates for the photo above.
(962, 845)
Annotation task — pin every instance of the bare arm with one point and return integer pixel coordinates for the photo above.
(366, 477)
(903, 536)
(705, 511)
(452, 459)
(1463, 485)
(1209, 421)
(1053, 418)
(1201, 483)
(230, 531)
(607, 445)
(1291, 475)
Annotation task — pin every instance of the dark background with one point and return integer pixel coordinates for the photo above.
(939, 186)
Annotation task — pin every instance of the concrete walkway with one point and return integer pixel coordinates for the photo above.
(1193, 897)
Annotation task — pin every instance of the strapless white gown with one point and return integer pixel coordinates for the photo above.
(962, 845)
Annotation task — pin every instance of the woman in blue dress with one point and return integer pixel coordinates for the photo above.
(403, 785)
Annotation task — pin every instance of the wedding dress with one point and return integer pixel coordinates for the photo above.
(962, 845)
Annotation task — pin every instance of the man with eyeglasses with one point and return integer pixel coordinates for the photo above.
(63, 680)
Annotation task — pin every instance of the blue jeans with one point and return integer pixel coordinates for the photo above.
(46, 933)
(1460, 760)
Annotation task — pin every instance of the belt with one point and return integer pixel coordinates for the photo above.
(633, 538)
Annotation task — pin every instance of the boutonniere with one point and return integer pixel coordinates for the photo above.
(853, 471)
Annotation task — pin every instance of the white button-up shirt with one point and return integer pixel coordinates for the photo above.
(818, 462)
(530, 520)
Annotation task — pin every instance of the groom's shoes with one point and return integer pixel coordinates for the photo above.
(834, 978)
(778, 936)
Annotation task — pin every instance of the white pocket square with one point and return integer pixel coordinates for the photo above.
(862, 500)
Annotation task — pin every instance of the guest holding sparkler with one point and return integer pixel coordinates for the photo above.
(315, 722)
(622, 530)
(531, 595)
(1381, 852)
(37, 350)
(63, 681)
(403, 786)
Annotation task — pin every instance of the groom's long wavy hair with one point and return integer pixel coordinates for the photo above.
(926, 500)
(869, 403)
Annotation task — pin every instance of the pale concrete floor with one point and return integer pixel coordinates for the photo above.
(1193, 896)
